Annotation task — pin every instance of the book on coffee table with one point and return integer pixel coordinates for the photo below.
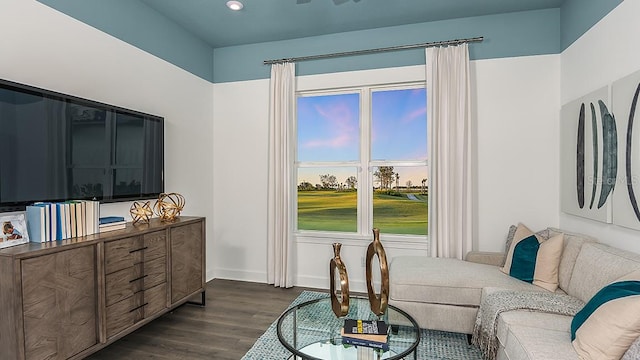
(384, 346)
(382, 338)
(371, 327)
(369, 333)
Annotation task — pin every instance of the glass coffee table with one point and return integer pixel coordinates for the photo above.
(311, 331)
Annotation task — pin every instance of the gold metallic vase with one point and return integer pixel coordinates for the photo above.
(340, 306)
(378, 302)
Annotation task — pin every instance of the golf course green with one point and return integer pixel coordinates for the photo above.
(398, 213)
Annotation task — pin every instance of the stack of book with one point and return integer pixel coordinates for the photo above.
(57, 221)
(110, 223)
(369, 333)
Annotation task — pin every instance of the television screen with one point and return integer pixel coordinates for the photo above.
(56, 147)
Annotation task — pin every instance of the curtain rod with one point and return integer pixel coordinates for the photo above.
(370, 51)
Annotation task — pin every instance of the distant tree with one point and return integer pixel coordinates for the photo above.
(409, 184)
(424, 186)
(351, 182)
(384, 174)
(328, 181)
(397, 181)
(305, 186)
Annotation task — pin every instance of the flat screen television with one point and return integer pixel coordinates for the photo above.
(56, 147)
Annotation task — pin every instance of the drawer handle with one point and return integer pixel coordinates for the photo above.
(136, 250)
(140, 278)
(141, 306)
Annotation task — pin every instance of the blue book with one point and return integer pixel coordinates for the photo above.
(110, 219)
(36, 223)
(384, 346)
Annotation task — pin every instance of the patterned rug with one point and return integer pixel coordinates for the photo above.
(434, 345)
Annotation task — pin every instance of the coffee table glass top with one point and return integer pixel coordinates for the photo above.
(312, 331)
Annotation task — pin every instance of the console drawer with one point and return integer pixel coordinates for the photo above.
(124, 253)
(142, 276)
(129, 311)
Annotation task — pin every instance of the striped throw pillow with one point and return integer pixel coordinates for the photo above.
(610, 322)
(533, 259)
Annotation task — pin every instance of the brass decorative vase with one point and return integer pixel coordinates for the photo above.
(340, 306)
(378, 302)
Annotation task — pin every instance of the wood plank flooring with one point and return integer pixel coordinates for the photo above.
(235, 315)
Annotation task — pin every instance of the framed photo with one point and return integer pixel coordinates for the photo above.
(13, 230)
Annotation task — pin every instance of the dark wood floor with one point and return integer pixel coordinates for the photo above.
(235, 315)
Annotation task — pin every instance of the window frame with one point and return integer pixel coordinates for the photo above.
(365, 166)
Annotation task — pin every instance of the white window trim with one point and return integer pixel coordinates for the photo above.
(364, 175)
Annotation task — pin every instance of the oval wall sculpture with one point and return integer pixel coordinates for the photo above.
(580, 159)
(632, 112)
(609, 154)
(594, 131)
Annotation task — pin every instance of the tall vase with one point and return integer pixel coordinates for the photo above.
(378, 302)
(340, 306)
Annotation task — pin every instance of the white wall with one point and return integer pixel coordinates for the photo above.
(607, 52)
(516, 107)
(47, 49)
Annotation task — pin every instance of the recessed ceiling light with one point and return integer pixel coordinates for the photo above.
(234, 5)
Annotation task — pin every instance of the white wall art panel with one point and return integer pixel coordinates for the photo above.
(626, 204)
(588, 156)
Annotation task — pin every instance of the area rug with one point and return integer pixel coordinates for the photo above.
(434, 345)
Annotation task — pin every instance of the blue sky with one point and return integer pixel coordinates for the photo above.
(329, 130)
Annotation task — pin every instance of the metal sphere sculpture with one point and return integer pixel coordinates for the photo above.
(141, 212)
(168, 206)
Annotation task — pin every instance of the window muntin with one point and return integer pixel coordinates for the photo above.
(392, 132)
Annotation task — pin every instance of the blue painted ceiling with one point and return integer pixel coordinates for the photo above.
(273, 20)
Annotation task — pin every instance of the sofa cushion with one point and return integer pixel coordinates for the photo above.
(446, 281)
(533, 319)
(572, 245)
(544, 234)
(529, 342)
(533, 259)
(598, 265)
(610, 322)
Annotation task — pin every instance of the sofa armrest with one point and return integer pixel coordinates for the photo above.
(486, 257)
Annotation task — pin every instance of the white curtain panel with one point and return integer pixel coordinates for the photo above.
(449, 114)
(281, 115)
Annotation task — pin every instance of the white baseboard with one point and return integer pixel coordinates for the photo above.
(240, 275)
(318, 282)
(315, 282)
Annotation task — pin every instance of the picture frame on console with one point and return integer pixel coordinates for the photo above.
(13, 230)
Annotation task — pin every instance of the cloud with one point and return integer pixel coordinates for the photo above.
(415, 115)
(341, 124)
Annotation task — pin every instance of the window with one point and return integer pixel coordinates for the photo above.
(361, 160)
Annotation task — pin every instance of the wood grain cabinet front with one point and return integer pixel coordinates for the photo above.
(136, 276)
(187, 260)
(59, 303)
(68, 299)
(135, 308)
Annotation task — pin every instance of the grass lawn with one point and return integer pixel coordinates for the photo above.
(336, 211)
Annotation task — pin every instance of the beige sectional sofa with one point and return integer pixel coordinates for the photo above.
(445, 294)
